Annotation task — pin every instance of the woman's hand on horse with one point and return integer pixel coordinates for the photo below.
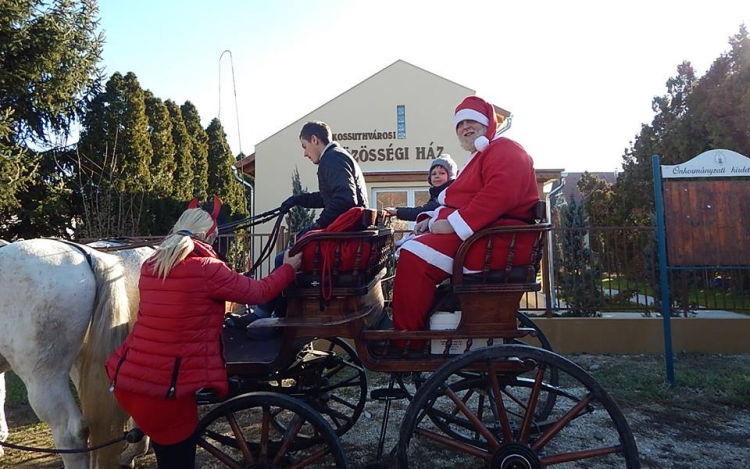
(295, 261)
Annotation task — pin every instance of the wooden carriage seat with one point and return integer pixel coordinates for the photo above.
(489, 298)
(341, 267)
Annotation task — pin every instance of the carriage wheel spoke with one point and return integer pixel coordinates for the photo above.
(289, 436)
(477, 424)
(560, 424)
(500, 410)
(456, 444)
(531, 407)
(579, 455)
(240, 438)
(316, 456)
(226, 459)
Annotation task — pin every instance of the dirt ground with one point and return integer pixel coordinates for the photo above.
(670, 435)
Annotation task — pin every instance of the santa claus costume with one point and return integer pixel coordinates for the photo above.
(497, 186)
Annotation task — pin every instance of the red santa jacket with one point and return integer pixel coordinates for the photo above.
(496, 187)
(175, 347)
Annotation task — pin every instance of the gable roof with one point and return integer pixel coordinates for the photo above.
(398, 63)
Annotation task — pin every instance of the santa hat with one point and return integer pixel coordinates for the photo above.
(478, 110)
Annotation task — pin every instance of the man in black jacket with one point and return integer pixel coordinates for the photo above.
(341, 184)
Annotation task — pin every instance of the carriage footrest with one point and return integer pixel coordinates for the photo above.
(385, 394)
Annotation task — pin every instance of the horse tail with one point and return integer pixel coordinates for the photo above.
(107, 330)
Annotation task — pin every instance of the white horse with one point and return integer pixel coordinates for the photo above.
(63, 310)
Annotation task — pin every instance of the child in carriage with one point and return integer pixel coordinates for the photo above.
(443, 171)
(175, 348)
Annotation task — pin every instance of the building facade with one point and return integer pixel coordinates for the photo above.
(393, 123)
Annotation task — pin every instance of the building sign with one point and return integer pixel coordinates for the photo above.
(712, 163)
(364, 153)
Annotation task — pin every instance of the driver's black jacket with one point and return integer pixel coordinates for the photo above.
(341, 186)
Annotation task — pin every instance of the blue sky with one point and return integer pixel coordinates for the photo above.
(579, 76)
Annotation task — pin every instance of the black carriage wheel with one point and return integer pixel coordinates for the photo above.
(538, 339)
(329, 376)
(488, 399)
(238, 433)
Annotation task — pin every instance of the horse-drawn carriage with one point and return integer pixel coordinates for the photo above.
(478, 392)
(494, 398)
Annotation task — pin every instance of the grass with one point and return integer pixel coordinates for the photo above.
(15, 390)
(700, 380)
(705, 298)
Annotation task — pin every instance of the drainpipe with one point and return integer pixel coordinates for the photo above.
(241, 179)
(552, 296)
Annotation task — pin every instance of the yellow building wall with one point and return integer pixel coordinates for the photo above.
(368, 108)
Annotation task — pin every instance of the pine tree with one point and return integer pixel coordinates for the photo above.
(299, 217)
(49, 56)
(183, 180)
(115, 154)
(579, 278)
(160, 133)
(163, 208)
(199, 150)
(221, 180)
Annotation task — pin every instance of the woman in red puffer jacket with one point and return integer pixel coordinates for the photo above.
(175, 347)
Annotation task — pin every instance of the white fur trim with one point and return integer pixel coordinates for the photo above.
(480, 143)
(429, 255)
(432, 256)
(463, 230)
(472, 115)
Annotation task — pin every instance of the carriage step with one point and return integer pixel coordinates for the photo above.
(386, 394)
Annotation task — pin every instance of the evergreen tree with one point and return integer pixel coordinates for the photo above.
(49, 55)
(579, 278)
(160, 133)
(116, 151)
(694, 116)
(199, 141)
(597, 199)
(183, 180)
(163, 209)
(221, 180)
(299, 217)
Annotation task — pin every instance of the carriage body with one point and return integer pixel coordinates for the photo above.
(353, 304)
(495, 365)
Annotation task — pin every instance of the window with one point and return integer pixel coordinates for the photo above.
(400, 198)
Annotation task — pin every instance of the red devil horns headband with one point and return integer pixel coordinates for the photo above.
(214, 213)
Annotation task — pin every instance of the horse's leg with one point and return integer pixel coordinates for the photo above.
(3, 421)
(53, 403)
(132, 451)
